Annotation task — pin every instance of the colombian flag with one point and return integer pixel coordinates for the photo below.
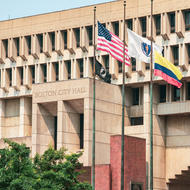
(165, 69)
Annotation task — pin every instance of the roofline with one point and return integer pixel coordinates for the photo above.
(56, 11)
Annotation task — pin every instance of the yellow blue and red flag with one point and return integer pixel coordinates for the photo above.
(168, 71)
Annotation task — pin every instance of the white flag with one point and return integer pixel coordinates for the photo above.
(140, 48)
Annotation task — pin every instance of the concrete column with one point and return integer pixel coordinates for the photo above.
(2, 115)
(34, 128)
(71, 128)
(60, 119)
(25, 114)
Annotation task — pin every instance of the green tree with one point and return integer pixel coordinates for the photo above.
(54, 170)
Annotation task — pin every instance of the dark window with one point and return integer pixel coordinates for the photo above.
(44, 68)
(68, 66)
(64, 36)
(162, 93)
(163, 52)
(135, 96)
(136, 186)
(188, 52)
(28, 42)
(10, 76)
(16, 41)
(147, 66)
(106, 62)
(115, 26)
(172, 22)
(52, 39)
(136, 121)
(32, 70)
(89, 34)
(81, 131)
(188, 91)
(119, 66)
(157, 19)
(176, 94)
(5, 45)
(130, 24)
(133, 63)
(56, 67)
(143, 26)
(175, 54)
(40, 41)
(77, 36)
(80, 62)
(21, 75)
(187, 20)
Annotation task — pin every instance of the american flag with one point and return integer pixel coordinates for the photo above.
(112, 44)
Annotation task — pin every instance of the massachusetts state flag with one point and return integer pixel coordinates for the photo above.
(112, 44)
(168, 71)
(140, 48)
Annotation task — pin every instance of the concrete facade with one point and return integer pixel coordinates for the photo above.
(46, 86)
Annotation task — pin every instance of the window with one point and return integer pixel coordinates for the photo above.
(176, 94)
(162, 93)
(147, 66)
(9, 72)
(44, 68)
(40, 42)
(68, 66)
(16, 42)
(187, 20)
(157, 19)
(81, 131)
(115, 26)
(163, 52)
(5, 46)
(133, 63)
(56, 67)
(80, 63)
(175, 55)
(77, 36)
(106, 62)
(188, 91)
(21, 75)
(172, 22)
(188, 52)
(136, 121)
(52, 40)
(130, 24)
(28, 43)
(119, 66)
(32, 71)
(143, 26)
(135, 96)
(64, 37)
(89, 34)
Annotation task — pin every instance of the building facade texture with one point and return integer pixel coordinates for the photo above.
(46, 85)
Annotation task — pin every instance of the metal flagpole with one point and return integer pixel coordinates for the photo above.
(94, 88)
(123, 104)
(151, 98)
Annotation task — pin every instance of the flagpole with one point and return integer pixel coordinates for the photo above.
(123, 103)
(151, 100)
(94, 88)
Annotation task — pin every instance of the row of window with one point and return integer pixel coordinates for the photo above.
(89, 32)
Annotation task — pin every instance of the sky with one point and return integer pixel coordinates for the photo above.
(11, 9)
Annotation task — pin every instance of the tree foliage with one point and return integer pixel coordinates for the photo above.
(54, 170)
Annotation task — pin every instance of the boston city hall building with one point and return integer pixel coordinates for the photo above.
(46, 86)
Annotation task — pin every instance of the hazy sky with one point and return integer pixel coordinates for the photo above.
(19, 8)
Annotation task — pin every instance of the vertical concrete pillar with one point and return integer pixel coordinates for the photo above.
(2, 115)
(25, 114)
(60, 119)
(34, 128)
